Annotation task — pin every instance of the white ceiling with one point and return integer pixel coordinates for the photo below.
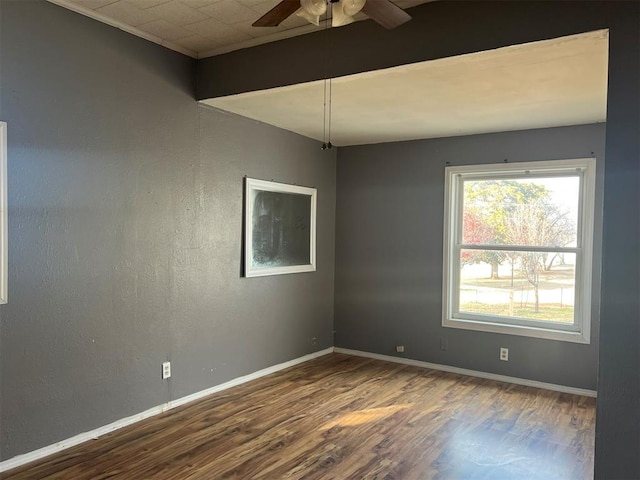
(536, 85)
(198, 28)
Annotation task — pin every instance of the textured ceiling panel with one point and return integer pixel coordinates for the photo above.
(199, 28)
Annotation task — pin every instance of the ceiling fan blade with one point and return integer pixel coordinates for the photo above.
(386, 13)
(277, 14)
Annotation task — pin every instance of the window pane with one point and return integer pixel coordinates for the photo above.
(529, 285)
(524, 211)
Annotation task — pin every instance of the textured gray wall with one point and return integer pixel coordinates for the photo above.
(389, 253)
(125, 222)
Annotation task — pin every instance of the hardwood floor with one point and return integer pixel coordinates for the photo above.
(342, 418)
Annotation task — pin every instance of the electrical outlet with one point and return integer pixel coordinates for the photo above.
(166, 370)
(314, 341)
(400, 348)
(504, 354)
(444, 344)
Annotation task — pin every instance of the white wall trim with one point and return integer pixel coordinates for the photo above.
(20, 460)
(471, 373)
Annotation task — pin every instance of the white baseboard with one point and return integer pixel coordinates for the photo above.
(124, 422)
(470, 373)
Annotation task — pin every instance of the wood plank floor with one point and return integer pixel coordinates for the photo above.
(342, 418)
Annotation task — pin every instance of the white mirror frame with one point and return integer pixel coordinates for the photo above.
(3, 214)
(252, 185)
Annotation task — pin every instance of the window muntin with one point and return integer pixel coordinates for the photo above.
(518, 242)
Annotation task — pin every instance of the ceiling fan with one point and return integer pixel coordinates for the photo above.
(385, 12)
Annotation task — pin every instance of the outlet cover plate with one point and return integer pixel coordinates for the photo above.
(166, 370)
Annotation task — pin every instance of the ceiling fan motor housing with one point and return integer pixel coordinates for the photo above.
(384, 12)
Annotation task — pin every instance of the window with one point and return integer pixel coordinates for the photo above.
(517, 248)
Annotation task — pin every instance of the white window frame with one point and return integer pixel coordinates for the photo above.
(3, 214)
(580, 331)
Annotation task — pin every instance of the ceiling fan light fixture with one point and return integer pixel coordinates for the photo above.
(312, 10)
(309, 17)
(384, 12)
(338, 16)
(314, 7)
(352, 7)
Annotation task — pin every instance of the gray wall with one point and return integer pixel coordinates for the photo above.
(389, 231)
(125, 222)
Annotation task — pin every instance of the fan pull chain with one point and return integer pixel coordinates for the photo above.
(330, 105)
(326, 132)
(324, 115)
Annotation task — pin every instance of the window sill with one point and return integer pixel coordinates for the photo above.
(523, 331)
